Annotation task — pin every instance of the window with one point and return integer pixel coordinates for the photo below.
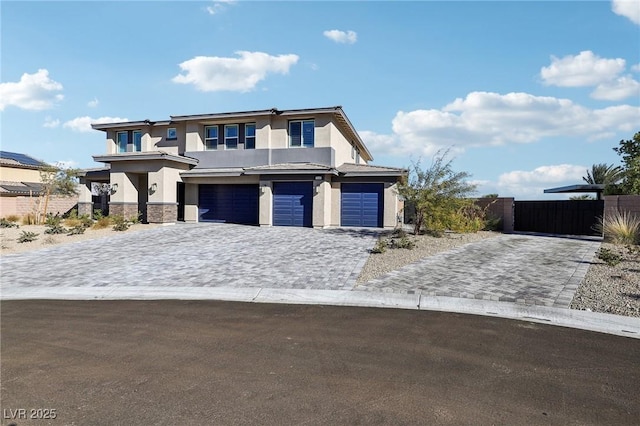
(250, 136)
(172, 133)
(231, 136)
(122, 139)
(137, 141)
(301, 133)
(357, 156)
(211, 137)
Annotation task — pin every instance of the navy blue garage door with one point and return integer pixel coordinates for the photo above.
(292, 203)
(361, 204)
(228, 203)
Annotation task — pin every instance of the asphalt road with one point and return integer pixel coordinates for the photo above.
(207, 362)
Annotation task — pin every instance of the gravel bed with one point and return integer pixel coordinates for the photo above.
(425, 245)
(612, 289)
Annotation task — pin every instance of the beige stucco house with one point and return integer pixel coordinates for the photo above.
(304, 167)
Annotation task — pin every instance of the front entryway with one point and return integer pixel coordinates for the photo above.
(292, 203)
(228, 203)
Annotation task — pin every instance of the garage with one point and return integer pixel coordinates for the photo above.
(292, 203)
(228, 203)
(362, 204)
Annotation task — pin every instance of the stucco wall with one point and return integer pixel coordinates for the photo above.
(15, 174)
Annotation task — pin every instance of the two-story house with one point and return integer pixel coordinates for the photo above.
(304, 167)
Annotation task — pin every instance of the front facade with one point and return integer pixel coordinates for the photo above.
(305, 167)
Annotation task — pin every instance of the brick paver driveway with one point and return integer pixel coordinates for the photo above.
(525, 269)
(213, 255)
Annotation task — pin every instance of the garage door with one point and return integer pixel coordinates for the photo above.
(228, 203)
(361, 204)
(292, 203)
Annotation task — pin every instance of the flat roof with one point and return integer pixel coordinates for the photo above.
(575, 188)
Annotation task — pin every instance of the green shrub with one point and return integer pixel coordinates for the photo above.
(120, 223)
(4, 223)
(609, 257)
(52, 220)
(97, 214)
(85, 221)
(55, 229)
(492, 223)
(77, 230)
(380, 247)
(136, 219)
(403, 243)
(620, 228)
(26, 237)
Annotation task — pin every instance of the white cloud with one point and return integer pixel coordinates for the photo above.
(33, 92)
(348, 37)
(51, 123)
(588, 69)
(93, 103)
(621, 88)
(67, 164)
(83, 124)
(627, 8)
(530, 184)
(218, 6)
(486, 119)
(635, 68)
(212, 73)
(584, 69)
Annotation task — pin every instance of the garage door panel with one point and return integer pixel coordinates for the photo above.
(362, 204)
(292, 203)
(229, 203)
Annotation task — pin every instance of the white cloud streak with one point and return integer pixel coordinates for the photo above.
(93, 103)
(83, 124)
(490, 119)
(628, 8)
(219, 6)
(242, 74)
(33, 92)
(587, 70)
(51, 123)
(345, 37)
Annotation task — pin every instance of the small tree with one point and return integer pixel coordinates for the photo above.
(630, 152)
(55, 180)
(437, 192)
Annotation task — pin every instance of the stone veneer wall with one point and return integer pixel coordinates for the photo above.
(85, 208)
(127, 210)
(162, 213)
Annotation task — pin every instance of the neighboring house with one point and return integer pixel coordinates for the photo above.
(21, 184)
(305, 167)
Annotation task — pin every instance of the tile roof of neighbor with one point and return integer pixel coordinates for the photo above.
(18, 159)
(18, 188)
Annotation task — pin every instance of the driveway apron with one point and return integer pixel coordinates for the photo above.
(200, 255)
(525, 269)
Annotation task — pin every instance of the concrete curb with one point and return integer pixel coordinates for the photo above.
(584, 320)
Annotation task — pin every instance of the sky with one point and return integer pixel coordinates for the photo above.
(521, 95)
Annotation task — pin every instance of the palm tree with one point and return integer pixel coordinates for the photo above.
(605, 174)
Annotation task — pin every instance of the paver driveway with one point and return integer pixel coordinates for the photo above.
(214, 255)
(526, 269)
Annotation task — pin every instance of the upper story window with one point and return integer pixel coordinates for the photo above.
(137, 140)
(211, 137)
(231, 136)
(122, 139)
(301, 133)
(250, 136)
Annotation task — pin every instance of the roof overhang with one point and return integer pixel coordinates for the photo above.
(145, 156)
(597, 188)
(197, 173)
(121, 125)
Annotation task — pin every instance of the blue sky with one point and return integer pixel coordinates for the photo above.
(526, 95)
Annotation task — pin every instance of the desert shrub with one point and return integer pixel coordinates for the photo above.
(380, 247)
(4, 223)
(26, 237)
(76, 230)
(52, 220)
(620, 228)
(97, 214)
(55, 229)
(50, 240)
(609, 257)
(102, 223)
(399, 233)
(120, 223)
(136, 219)
(85, 221)
(72, 222)
(13, 218)
(72, 214)
(492, 223)
(403, 242)
(29, 219)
